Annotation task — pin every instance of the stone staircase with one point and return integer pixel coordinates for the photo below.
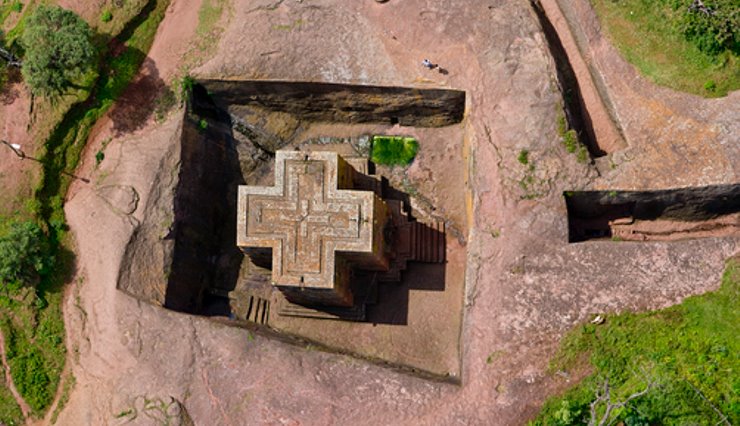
(413, 242)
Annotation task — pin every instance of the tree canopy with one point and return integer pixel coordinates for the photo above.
(24, 254)
(58, 50)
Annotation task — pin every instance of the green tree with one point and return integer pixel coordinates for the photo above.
(58, 50)
(24, 254)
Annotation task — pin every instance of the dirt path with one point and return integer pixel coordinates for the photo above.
(25, 409)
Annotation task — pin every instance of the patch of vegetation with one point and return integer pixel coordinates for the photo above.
(34, 340)
(532, 186)
(10, 412)
(523, 157)
(394, 150)
(106, 16)
(7, 7)
(69, 384)
(673, 366)
(682, 44)
(582, 154)
(569, 138)
(24, 255)
(99, 157)
(570, 141)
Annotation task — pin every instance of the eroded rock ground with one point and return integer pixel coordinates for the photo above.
(525, 285)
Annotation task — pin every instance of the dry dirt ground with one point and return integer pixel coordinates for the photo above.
(525, 285)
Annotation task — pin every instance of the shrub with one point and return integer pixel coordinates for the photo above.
(394, 150)
(107, 16)
(24, 254)
(523, 157)
(17, 7)
(99, 157)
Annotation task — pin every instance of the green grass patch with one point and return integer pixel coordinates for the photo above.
(10, 412)
(69, 384)
(8, 7)
(677, 47)
(689, 352)
(11, 38)
(570, 141)
(106, 16)
(208, 16)
(394, 150)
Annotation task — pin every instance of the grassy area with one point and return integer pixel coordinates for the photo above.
(8, 7)
(208, 17)
(10, 413)
(687, 356)
(69, 384)
(394, 150)
(653, 36)
(32, 319)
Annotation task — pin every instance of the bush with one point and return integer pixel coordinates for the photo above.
(523, 157)
(58, 50)
(99, 157)
(394, 150)
(713, 27)
(17, 7)
(24, 254)
(107, 16)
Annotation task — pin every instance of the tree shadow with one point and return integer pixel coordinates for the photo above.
(146, 94)
(10, 92)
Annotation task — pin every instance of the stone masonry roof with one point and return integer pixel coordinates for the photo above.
(306, 218)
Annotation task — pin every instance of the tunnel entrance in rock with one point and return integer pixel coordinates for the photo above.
(666, 215)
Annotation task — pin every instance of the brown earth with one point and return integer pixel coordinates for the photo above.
(525, 285)
(16, 175)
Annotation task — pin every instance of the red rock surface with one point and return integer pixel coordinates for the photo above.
(525, 285)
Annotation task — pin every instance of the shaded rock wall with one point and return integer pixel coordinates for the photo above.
(185, 244)
(343, 103)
